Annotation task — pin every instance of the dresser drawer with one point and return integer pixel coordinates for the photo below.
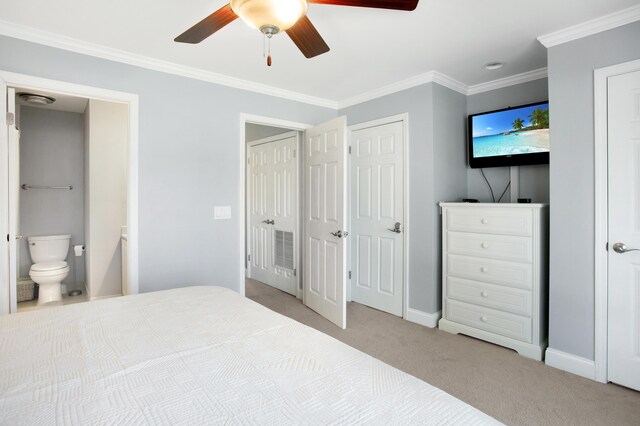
(506, 221)
(504, 247)
(502, 323)
(492, 296)
(513, 274)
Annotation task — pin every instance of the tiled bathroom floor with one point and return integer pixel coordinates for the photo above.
(66, 300)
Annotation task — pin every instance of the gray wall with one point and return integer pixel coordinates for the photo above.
(571, 66)
(425, 104)
(534, 180)
(449, 178)
(189, 161)
(52, 153)
(253, 132)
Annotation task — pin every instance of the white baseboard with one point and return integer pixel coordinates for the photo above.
(423, 318)
(571, 363)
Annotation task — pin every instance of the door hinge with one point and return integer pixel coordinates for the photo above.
(248, 258)
(295, 272)
(11, 119)
(349, 149)
(349, 274)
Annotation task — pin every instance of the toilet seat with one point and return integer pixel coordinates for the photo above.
(48, 266)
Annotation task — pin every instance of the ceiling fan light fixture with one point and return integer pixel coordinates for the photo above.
(279, 14)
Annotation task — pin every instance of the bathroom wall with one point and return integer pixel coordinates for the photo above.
(52, 153)
(106, 127)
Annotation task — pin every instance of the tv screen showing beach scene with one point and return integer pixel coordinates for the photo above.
(511, 132)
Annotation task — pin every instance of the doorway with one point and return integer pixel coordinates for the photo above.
(273, 210)
(322, 253)
(617, 259)
(256, 131)
(107, 125)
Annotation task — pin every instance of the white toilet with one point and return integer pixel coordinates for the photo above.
(49, 254)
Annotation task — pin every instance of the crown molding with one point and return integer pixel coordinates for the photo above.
(594, 26)
(78, 46)
(525, 77)
(418, 80)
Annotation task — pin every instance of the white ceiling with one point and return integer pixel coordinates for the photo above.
(370, 48)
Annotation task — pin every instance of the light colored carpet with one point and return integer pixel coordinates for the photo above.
(496, 380)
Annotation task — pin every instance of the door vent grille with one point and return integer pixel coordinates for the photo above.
(284, 249)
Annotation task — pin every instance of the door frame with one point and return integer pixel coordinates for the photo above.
(37, 83)
(601, 297)
(263, 141)
(404, 118)
(244, 119)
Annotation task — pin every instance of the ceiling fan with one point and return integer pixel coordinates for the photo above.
(271, 17)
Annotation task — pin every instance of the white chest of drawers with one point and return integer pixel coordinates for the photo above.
(494, 274)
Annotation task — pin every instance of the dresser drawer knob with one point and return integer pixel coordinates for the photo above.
(484, 245)
(484, 294)
(484, 221)
(483, 318)
(484, 269)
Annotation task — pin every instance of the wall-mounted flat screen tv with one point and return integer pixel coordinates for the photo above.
(510, 137)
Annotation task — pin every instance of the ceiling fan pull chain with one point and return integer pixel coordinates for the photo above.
(269, 57)
(264, 45)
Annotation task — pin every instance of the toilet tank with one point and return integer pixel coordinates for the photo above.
(48, 248)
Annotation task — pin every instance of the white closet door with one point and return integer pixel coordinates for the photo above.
(260, 212)
(273, 210)
(377, 213)
(325, 219)
(285, 213)
(624, 228)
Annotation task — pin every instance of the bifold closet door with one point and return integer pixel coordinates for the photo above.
(273, 210)
(260, 211)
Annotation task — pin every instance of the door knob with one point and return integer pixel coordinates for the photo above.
(340, 234)
(622, 248)
(396, 228)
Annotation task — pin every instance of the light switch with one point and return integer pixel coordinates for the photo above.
(222, 212)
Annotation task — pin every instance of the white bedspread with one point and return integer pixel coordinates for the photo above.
(199, 355)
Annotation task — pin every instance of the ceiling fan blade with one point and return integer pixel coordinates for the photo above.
(307, 38)
(208, 26)
(378, 4)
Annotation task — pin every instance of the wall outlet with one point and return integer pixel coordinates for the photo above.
(222, 212)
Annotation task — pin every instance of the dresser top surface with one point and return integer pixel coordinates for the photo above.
(501, 205)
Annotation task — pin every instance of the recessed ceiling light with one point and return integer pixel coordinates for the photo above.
(494, 65)
(35, 99)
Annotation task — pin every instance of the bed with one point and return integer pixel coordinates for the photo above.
(199, 355)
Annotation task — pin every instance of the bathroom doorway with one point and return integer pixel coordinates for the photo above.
(72, 178)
